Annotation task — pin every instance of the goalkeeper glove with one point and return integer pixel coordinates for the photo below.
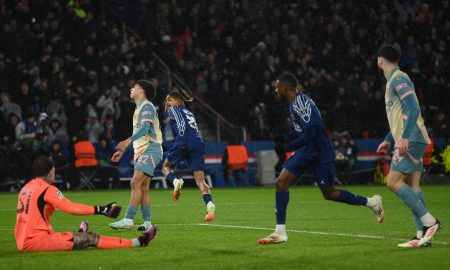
(111, 210)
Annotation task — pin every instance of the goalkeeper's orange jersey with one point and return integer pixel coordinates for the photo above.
(37, 202)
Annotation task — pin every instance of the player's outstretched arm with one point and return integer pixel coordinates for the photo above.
(55, 198)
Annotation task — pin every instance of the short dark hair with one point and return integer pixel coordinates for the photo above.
(149, 90)
(390, 52)
(288, 79)
(42, 166)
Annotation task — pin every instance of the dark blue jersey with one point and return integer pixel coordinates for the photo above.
(309, 135)
(184, 125)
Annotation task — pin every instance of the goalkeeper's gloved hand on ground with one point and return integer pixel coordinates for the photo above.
(111, 210)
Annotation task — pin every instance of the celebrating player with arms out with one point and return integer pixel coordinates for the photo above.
(188, 146)
(147, 139)
(409, 137)
(38, 200)
(313, 149)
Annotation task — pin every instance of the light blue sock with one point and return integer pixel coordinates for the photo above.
(145, 212)
(131, 212)
(411, 199)
(419, 225)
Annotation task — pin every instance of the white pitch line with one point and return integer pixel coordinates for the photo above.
(364, 236)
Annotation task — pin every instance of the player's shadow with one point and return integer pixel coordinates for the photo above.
(229, 252)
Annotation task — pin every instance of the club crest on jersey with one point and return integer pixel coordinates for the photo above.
(302, 106)
(59, 194)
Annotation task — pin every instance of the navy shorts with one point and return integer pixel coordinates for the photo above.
(323, 173)
(194, 157)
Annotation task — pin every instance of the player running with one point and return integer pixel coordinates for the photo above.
(313, 150)
(409, 138)
(38, 200)
(146, 139)
(188, 147)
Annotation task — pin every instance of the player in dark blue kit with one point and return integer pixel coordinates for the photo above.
(188, 147)
(314, 151)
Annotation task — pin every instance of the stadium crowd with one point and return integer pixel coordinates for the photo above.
(67, 66)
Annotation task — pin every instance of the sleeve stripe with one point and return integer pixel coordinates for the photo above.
(407, 94)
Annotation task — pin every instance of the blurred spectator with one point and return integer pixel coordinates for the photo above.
(93, 127)
(56, 132)
(9, 107)
(62, 59)
(346, 153)
(58, 155)
(440, 125)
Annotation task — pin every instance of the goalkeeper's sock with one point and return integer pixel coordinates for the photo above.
(171, 177)
(145, 209)
(114, 242)
(347, 197)
(131, 212)
(281, 202)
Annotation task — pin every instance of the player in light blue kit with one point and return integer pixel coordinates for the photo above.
(188, 147)
(314, 151)
(409, 138)
(147, 140)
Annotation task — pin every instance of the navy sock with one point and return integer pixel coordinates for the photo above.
(281, 202)
(171, 176)
(349, 198)
(207, 198)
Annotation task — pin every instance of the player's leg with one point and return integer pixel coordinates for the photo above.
(199, 176)
(324, 175)
(413, 180)
(401, 167)
(283, 181)
(174, 157)
(168, 172)
(50, 242)
(82, 240)
(145, 205)
(155, 156)
(136, 195)
(292, 169)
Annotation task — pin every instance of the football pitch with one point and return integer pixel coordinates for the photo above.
(322, 234)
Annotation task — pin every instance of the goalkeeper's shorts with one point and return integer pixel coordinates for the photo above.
(50, 242)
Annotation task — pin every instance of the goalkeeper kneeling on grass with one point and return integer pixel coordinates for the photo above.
(38, 199)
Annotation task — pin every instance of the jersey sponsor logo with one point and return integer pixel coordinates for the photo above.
(302, 106)
(401, 86)
(145, 113)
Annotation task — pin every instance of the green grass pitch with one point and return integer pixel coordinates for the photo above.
(323, 235)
